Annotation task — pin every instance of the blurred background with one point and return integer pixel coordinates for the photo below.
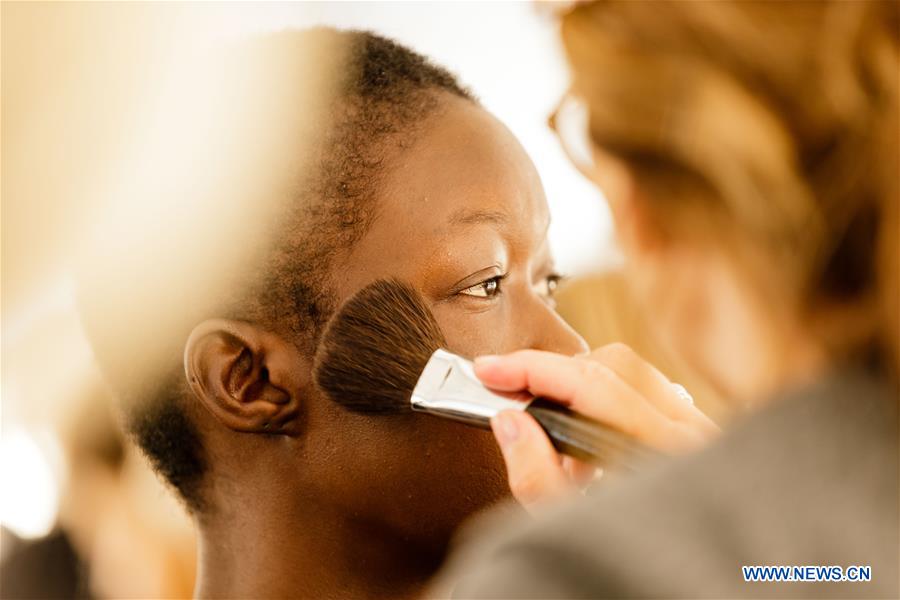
(82, 515)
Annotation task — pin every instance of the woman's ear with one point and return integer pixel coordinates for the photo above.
(249, 379)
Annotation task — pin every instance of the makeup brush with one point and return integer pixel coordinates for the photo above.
(382, 353)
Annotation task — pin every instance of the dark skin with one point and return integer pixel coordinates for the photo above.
(308, 499)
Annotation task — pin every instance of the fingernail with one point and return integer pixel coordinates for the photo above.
(506, 428)
(486, 359)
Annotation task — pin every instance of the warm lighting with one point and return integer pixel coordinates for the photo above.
(30, 472)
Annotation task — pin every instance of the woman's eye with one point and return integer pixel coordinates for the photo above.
(551, 283)
(485, 289)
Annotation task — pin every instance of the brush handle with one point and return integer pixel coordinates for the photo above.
(586, 439)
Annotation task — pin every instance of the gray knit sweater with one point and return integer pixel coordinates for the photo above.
(810, 480)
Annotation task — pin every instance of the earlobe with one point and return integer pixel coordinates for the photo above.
(245, 376)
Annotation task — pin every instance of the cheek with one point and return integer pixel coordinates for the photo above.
(474, 333)
(416, 475)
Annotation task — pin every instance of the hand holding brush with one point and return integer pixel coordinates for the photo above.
(382, 352)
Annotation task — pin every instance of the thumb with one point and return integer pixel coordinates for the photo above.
(535, 470)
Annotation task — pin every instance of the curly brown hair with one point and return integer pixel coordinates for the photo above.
(769, 124)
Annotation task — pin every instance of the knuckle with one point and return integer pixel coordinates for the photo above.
(615, 352)
(527, 487)
(594, 371)
(673, 436)
(688, 436)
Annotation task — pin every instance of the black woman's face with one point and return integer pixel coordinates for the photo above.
(462, 216)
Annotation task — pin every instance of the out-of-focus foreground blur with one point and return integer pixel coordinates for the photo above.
(82, 87)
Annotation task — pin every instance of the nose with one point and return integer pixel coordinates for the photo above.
(553, 334)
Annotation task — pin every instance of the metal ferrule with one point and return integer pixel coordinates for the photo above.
(448, 387)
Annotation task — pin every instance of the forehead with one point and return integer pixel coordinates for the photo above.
(464, 176)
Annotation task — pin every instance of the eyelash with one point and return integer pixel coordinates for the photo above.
(553, 280)
(483, 285)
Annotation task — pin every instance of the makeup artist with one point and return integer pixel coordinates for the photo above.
(749, 155)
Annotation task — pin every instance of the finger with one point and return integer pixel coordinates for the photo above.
(525, 369)
(534, 469)
(586, 386)
(650, 383)
(580, 473)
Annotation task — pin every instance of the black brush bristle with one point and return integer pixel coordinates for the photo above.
(374, 348)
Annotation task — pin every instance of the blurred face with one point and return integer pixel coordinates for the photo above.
(463, 218)
(702, 304)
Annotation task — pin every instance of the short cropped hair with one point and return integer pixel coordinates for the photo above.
(383, 92)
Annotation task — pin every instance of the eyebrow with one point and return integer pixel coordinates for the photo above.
(472, 217)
